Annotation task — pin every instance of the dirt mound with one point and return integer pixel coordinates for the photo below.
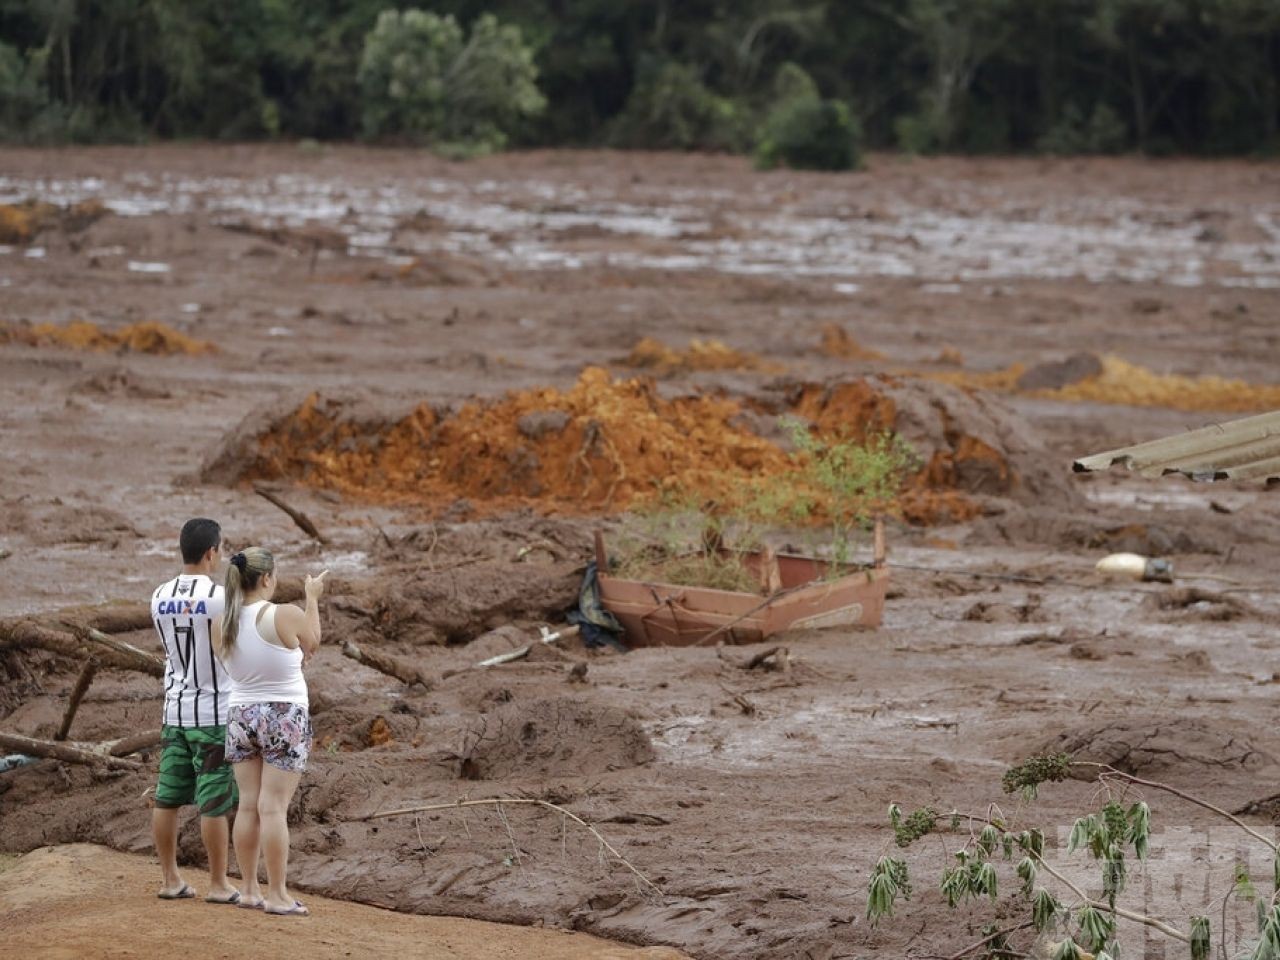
(121, 382)
(1087, 379)
(605, 444)
(1060, 373)
(456, 604)
(59, 523)
(617, 442)
(21, 222)
(650, 354)
(148, 336)
(967, 442)
(838, 342)
(555, 737)
(1195, 603)
(1174, 749)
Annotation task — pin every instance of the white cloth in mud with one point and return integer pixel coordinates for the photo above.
(263, 672)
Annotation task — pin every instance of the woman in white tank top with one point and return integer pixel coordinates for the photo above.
(263, 647)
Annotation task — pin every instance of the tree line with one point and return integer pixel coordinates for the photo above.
(801, 82)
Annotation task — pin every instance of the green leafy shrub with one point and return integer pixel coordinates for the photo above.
(420, 79)
(1102, 132)
(23, 97)
(671, 107)
(808, 133)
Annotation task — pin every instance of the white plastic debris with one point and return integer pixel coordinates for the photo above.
(1134, 566)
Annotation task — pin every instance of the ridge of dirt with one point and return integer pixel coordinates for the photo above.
(79, 900)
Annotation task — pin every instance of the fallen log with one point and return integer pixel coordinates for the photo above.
(147, 662)
(402, 670)
(127, 745)
(122, 619)
(300, 519)
(24, 634)
(65, 752)
(77, 694)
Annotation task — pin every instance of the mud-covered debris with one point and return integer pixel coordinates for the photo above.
(1173, 749)
(1199, 604)
(552, 737)
(1058, 373)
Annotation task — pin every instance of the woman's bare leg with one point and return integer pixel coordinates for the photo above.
(246, 835)
(273, 804)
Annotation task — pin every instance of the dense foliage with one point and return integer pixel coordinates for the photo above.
(1063, 76)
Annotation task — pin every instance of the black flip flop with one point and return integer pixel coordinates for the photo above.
(186, 893)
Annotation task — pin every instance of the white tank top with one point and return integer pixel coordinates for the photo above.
(263, 672)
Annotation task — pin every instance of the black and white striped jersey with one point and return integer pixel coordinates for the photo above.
(195, 685)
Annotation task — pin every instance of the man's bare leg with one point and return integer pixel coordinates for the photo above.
(164, 831)
(213, 831)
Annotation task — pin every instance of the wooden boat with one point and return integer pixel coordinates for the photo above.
(796, 593)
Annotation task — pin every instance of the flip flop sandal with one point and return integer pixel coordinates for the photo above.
(186, 893)
(297, 910)
(234, 899)
(252, 905)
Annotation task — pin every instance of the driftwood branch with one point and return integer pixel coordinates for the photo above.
(65, 752)
(24, 634)
(121, 619)
(299, 518)
(500, 802)
(77, 694)
(782, 654)
(127, 745)
(146, 662)
(402, 670)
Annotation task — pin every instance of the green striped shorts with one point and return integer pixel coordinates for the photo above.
(193, 769)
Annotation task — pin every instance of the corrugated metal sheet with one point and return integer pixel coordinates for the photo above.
(1247, 449)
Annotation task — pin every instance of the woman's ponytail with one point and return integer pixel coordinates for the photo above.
(231, 611)
(244, 572)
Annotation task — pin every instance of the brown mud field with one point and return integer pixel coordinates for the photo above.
(460, 371)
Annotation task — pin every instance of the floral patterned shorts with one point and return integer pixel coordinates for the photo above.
(279, 732)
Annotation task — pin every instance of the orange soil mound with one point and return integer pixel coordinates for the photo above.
(857, 411)
(601, 444)
(20, 222)
(650, 354)
(1121, 382)
(838, 342)
(147, 336)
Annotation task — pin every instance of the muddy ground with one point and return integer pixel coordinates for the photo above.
(755, 800)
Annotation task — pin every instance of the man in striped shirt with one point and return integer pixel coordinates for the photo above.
(187, 610)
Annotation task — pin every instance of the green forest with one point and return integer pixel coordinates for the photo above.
(807, 84)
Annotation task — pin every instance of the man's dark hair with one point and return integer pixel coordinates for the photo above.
(198, 537)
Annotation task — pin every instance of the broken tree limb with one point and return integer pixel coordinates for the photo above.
(299, 518)
(147, 662)
(764, 655)
(24, 634)
(77, 694)
(402, 670)
(127, 745)
(65, 752)
(121, 619)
